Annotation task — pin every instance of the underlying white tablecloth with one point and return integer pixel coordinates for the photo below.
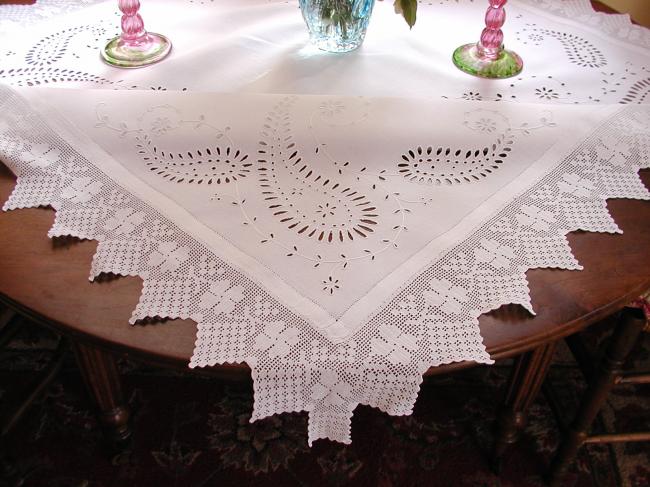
(571, 54)
(339, 244)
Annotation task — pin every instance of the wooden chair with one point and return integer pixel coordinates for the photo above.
(601, 379)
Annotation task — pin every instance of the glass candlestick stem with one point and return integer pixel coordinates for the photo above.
(487, 58)
(135, 47)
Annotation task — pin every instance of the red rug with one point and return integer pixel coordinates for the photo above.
(192, 431)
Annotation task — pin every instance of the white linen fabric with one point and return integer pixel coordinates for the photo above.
(14, 16)
(305, 185)
(338, 262)
(571, 54)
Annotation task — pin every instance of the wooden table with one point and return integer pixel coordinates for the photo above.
(47, 280)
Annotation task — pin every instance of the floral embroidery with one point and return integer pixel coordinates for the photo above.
(42, 57)
(486, 125)
(159, 119)
(639, 92)
(277, 339)
(161, 125)
(325, 210)
(51, 49)
(532, 216)
(222, 297)
(160, 88)
(575, 185)
(442, 294)
(546, 93)
(444, 165)
(493, 253)
(472, 96)
(331, 108)
(343, 216)
(124, 221)
(617, 157)
(393, 344)
(335, 382)
(330, 285)
(447, 165)
(169, 256)
(579, 51)
(81, 190)
(352, 217)
(216, 165)
(41, 155)
(331, 390)
(35, 76)
(219, 164)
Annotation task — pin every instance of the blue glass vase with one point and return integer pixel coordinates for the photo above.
(337, 25)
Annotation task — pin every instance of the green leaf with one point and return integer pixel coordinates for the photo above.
(408, 9)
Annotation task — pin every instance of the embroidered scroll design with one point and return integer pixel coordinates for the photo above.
(35, 76)
(579, 51)
(343, 212)
(448, 166)
(442, 165)
(432, 320)
(219, 164)
(44, 63)
(639, 92)
(52, 48)
(41, 59)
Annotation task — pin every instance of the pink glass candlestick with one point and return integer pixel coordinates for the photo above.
(487, 58)
(135, 47)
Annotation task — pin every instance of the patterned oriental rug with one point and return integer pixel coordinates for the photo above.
(201, 436)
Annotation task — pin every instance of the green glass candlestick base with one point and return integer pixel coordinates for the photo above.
(505, 65)
(148, 49)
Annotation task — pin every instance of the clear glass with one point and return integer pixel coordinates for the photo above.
(135, 47)
(337, 25)
(487, 58)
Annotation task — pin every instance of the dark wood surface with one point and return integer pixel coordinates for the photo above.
(48, 281)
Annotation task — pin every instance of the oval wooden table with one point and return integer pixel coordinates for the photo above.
(47, 281)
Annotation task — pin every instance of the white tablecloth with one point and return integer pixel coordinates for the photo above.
(337, 222)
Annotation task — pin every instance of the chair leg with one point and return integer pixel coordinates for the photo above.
(525, 382)
(625, 336)
(9, 418)
(12, 411)
(102, 379)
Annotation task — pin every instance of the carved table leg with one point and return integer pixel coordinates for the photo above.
(525, 382)
(102, 379)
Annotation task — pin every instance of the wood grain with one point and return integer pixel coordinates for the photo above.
(48, 280)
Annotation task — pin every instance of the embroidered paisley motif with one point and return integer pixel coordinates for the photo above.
(578, 50)
(342, 213)
(217, 165)
(444, 165)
